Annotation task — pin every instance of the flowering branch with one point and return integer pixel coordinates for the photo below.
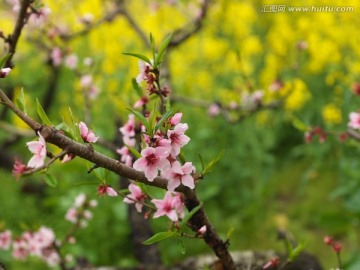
(46, 165)
(198, 220)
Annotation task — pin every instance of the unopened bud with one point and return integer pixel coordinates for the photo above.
(4, 72)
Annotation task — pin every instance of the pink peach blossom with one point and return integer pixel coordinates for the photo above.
(176, 119)
(87, 134)
(19, 169)
(152, 160)
(106, 189)
(354, 120)
(71, 61)
(39, 150)
(168, 206)
(178, 138)
(144, 71)
(136, 196)
(214, 110)
(129, 128)
(178, 174)
(4, 72)
(56, 56)
(5, 240)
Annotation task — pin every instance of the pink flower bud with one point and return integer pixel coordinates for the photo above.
(343, 137)
(273, 263)
(328, 240)
(308, 137)
(4, 72)
(356, 88)
(337, 247)
(106, 190)
(202, 230)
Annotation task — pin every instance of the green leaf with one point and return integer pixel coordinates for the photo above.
(137, 88)
(181, 246)
(202, 163)
(189, 215)
(163, 118)
(141, 118)
(140, 56)
(230, 232)
(133, 151)
(152, 120)
(299, 125)
(74, 129)
(20, 100)
(152, 43)
(4, 58)
(159, 237)
(212, 163)
(162, 48)
(42, 114)
(295, 252)
(50, 180)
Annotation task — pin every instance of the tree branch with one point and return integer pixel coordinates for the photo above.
(14, 37)
(53, 136)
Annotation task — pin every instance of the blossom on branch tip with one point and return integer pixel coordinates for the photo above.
(354, 120)
(129, 128)
(87, 134)
(202, 230)
(56, 56)
(38, 148)
(136, 196)
(175, 119)
(356, 88)
(5, 239)
(141, 102)
(171, 206)
(71, 61)
(86, 80)
(273, 263)
(19, 169)
(178, 138)
(72, 215)
(4, 72)
(68, 157)
(214, 110)
(144, 71)
(152, 160)
(178, 174)
(106, 189)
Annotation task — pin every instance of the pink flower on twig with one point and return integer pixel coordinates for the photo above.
(178, 138)
(5, 240)
(152, 160)
(354, 120)
(87, 134)
(39, 150)
(106, 189)
(171, 206)
(178, 174)
(4, 72)
(136, 196)
(19, 169)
